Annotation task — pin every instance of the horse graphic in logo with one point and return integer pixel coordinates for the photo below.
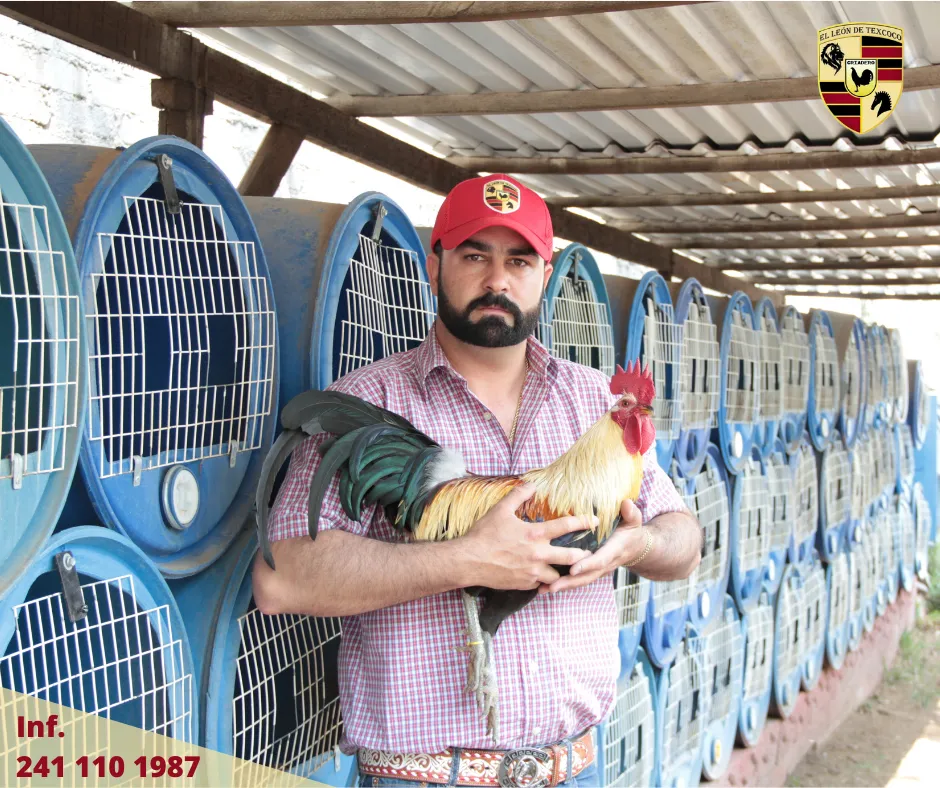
(501, 196)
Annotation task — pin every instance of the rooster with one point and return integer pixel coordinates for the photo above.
(864, 79)
(381, 458)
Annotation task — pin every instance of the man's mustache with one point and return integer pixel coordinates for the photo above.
(495, 300)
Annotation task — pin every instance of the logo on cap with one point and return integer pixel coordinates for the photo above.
(501, 196)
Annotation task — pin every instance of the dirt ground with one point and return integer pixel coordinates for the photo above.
(894, 737)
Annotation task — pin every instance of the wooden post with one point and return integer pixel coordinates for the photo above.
(183, 108)
(271, 162)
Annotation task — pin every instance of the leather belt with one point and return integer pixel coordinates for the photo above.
(531, 767)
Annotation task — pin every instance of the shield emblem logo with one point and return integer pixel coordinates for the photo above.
(502, 196)
(861, 73)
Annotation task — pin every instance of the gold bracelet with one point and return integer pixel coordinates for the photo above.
(646, 551)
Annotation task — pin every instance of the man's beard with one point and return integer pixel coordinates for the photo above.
(490, 330)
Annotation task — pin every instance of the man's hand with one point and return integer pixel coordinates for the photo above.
(626, 543)
(503, 552)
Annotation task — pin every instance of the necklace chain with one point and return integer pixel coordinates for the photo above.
(515, 419)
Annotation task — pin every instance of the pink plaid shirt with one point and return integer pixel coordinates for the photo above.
(401, 670)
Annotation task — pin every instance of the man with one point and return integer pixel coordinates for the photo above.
(480, 383)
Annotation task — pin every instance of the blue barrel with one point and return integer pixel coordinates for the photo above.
(42, 359)
(771, 376)
(182, 332)
(923, 519)
(849, 333)
(782, 513)
(794, 347)
(709, 499)
(859, 462)
(825, 400)
(268, 685)
(632, 594)
(127, 656)
(835, 498)
(918, 413)
(899, 384)
(758, 627)
(878, 371)
(904, 463)
(815, 606)
(789, 642)
(806, 502)
(906, 530)
(858, 597)
(350, 282)
(839, 585)
(626, 740)
(750, 531)
(682, 716)
(577, 322)
(701, 380)
(925, 465)
(723, 653)
(642, 310)
(739, 407)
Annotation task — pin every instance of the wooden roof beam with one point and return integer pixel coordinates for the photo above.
(878, 295)
(271, 161)
(881, 242)
(294, 14)
(702, 226)
(852, 265)
(850, 282)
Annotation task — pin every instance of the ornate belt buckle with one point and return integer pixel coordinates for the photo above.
(520, 769)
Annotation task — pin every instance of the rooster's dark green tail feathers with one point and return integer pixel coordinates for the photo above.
(285, 444)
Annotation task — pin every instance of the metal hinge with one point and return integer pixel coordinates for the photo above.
(16, 470)
(71, 587)
(233, 448)
(380, 213)
(171, 198)
(137, 468)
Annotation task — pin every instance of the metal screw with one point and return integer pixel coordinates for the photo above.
(166, 161)
(68, 562)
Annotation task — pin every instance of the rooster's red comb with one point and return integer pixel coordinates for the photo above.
(633, 381)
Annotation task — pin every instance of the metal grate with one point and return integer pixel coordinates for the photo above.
(861, 496)
(877, 383)
(771, 366)
(700, 369)
(709, 502)
(123, 661)
(685, 714)
(39, 326)
(724, 661)
(924, 521)
(839, 592)
(662, 349)
(629, 739)
(827, 371)
(806, 492)
(814, 608)
(878, 472)
(183, 329)
(758, 653)
(285, 710)
(875, 556)
(905, 458)
(742, 384)
(790, 646)
(754, 524)
(907, 532)
(858, 582)
(581, 327)
(888, 462)
(852, 378)
(838, 491)
(794, 346)
(389, 307)
(899, 391)
(782, 508)
(632, 594)
(884, 533)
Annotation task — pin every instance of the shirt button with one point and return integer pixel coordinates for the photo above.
(487, 416)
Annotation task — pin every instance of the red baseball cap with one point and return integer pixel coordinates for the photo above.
(491, 201)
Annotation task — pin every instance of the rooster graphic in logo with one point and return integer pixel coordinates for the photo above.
(501, 196)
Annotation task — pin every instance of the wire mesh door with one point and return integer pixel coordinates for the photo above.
(581, 329)
(794, 346)
(837, 472)
(905, 457)
(183, 329)
(861, 495)
(742, 384)
(898, 370)
(771, 370)
(387, 305)
(724, 663)
(700, 369)
(285, 711)
(39, 364)
(782, 508)
(888, 464)
(858, 584)
(814, 605)
(124, 661)
(877, 381)
(791, 644)
(686, 709)
(632, 594)
(662, 348)
(709, 503)
(827, 371)
(907, 531)
(806, 494)
(852, 378)
(754, 525)
(923, 520)
(839, 591)
(629, 734)
(758, 652)
(884, 539)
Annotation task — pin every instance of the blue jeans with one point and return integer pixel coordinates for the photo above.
(588, 778)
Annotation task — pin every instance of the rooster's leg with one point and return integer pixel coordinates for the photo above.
(481, 675)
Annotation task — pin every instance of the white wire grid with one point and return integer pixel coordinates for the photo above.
(790, 645)
(724, 663)
(122, 662)
(709, 502)
(389, 305)
(814, 609)
(869, 566)
(877, 383)
(907, 532)
(905, 457)
(922, 414)
(700, 369)
(771, 365)
(828, 383)
(852, 378)
(839, 592)
(884, 535)
(782, 501)
(162, 293)
(662, 350)
(629, 740)
(838, 492)
(806, 491)
(39, 324)
(282, 676)
(669, 595)
(857, 582)
(632, 594)
(898, 374)
(878, 472)
(686, 709)
(581, 327)
(923, 521)
(889, 461)
(759, 649)
(794, 345)
(754, 524)
(859, 480)
(742, 384)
